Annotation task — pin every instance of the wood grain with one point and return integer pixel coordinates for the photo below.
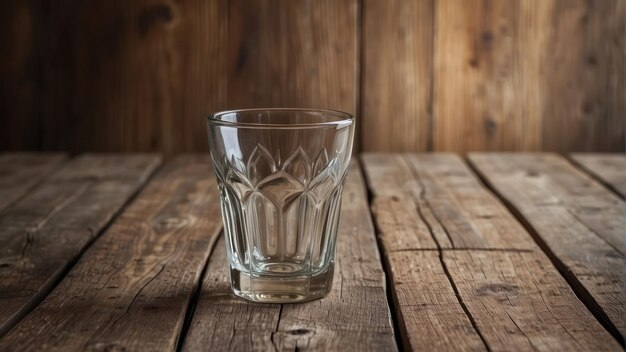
(43, 234)
(19, 172)
(397, 75)
(132, 76)
(293, 54)
(445, 193)
(579, 223)
(521, 303)
(131, 289)
(609, 169)
(583, 79)
(421, 75)
(429, 314)
(354, 316)
(471, 217)
(20, 66)
(488, 69)
(495, 289)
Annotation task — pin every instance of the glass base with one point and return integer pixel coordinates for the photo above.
(281, 289)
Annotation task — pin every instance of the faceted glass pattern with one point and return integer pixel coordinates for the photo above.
(280, 174)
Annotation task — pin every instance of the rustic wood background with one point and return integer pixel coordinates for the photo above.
(420, 75)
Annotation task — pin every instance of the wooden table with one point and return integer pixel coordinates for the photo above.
(436, 252)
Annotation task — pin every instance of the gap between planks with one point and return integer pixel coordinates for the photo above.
(531, 287)
(354, 315)
(582, 292)
(77, 170)
(392, 299)
(446, 270)
(193, 302)
(607, 169)
(151, 298)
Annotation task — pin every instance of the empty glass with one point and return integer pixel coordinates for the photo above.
(280, 174)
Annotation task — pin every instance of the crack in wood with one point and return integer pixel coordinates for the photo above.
(138, 293)
(193, 301)
(570, 277)
(509, 250)
(422, 192)
(520, 329)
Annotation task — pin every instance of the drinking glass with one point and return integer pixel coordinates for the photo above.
(280, 174)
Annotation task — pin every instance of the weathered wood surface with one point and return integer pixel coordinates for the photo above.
(579, 223)
(520, 302)
(353, 317)
(479, 282)
(397, 75)
(131, 289)
(610, 169)
(463, 213)
(464, 273)
(43, 233)
(19, 172)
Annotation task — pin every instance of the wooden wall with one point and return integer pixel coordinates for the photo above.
(420, 75)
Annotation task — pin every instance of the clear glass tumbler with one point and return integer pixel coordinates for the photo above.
(280, 174)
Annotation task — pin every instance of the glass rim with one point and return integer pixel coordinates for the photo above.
(343, 118)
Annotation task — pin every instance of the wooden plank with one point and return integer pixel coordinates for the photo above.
(20, 56)
(314, 66)
(19, 172)
(397, 76)
(132, 76)
(131, 289)
(501, 295)
(610, 169)
(488, 74)
(528, 75)
(43, 234)
(471, 216)
(353, 317)
(429, 314)
(584, 105)
(521, 303)
(224, 321)
(579, 223)
(446, 193)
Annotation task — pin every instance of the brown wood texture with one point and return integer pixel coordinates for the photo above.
(20, 66)
(487, 91)
(484, 284)
(583, 80)
(610, 169)
(397, 75)
(19, 172)
(353, 317)
(420, 75)
(578, 222)
(132, 75)
(293, 54)
(42, 234)
(131, 289)
(456, 75)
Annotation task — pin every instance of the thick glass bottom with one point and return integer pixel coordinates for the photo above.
(281, 289)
